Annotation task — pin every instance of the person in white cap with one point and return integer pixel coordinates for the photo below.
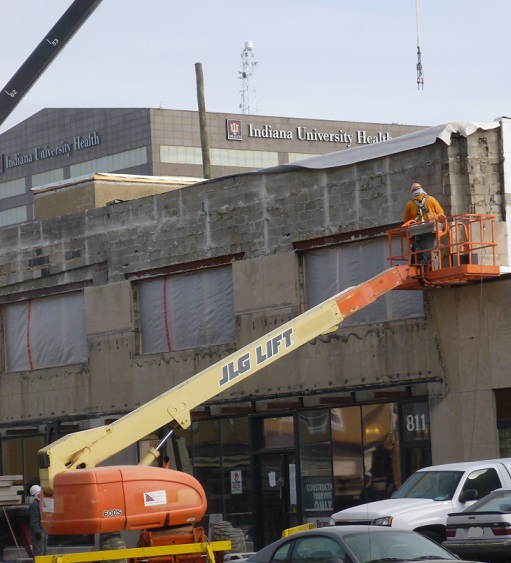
(422, 208)
(38, 535)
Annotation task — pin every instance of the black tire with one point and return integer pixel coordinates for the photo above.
(432, 535)
(112, 541)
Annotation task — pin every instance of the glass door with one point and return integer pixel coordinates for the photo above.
(276, 495)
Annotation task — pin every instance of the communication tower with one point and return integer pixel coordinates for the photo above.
(248, 94)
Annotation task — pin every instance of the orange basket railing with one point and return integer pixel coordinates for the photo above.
(445, 242)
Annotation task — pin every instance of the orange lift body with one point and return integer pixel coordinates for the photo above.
(114, 498)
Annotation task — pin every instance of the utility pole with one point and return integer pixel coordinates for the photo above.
(203, 123)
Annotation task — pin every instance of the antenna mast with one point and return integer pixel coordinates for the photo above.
(248, 94)
(420, 75)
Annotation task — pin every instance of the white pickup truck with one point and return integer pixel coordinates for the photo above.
(424, 500)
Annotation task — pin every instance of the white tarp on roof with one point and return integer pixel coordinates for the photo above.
(113, 177)
(407, 142)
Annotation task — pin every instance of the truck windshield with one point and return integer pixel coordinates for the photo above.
(435, 485)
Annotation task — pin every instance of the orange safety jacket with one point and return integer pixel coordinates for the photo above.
(423, 204)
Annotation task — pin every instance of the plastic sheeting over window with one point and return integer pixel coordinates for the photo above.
(45, 332)
(187, 311)
(331, 270)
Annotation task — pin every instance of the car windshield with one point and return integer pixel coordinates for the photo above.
(498, 501)
(394, 546)
(435, 485)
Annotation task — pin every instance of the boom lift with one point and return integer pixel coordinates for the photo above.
(82, 498)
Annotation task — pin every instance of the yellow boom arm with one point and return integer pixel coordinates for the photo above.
(88, 448)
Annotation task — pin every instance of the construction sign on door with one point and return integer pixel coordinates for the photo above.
(236, 482)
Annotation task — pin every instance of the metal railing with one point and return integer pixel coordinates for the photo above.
(445, 242)
(168, 552)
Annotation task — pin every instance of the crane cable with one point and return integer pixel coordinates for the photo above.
(420, 75)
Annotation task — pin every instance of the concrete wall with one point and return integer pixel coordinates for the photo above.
(473, 333)
(264, 217)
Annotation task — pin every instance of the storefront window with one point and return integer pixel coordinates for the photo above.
(12, 457)
(278, 432)
(415, 442)
(316, 464)
(207, 461)
(179, 450)
(347, 457)
(505, 441)
(19, 457)
(220, 455)
(503, 407)
(237, 474)
(381, 450)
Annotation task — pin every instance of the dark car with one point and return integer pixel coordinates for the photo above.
(353, 544)
(483, 530)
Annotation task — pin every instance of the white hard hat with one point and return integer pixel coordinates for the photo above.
(35, 490)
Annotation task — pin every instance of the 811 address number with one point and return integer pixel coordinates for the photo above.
(415, 422)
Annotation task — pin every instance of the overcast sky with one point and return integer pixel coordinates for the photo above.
(349, 60)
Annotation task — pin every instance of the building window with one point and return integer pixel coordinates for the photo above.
(316, 462)
(294, 156)
(244, 158)
(13, 187)
(12, 216)
(110, 163)
(45, 332)
(47, 177)
(189, 310)
(180, 155)
(333, 269)
(219, 157)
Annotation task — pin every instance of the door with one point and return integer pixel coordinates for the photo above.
(276, 495)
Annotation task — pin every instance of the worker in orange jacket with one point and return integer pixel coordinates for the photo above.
(422, 208)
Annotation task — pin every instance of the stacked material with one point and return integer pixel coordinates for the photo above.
(224, 531)
(10, 493)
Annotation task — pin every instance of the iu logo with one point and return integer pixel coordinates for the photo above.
(234, 130)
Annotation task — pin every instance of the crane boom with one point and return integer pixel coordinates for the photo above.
(42, 56)
(86, 449)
